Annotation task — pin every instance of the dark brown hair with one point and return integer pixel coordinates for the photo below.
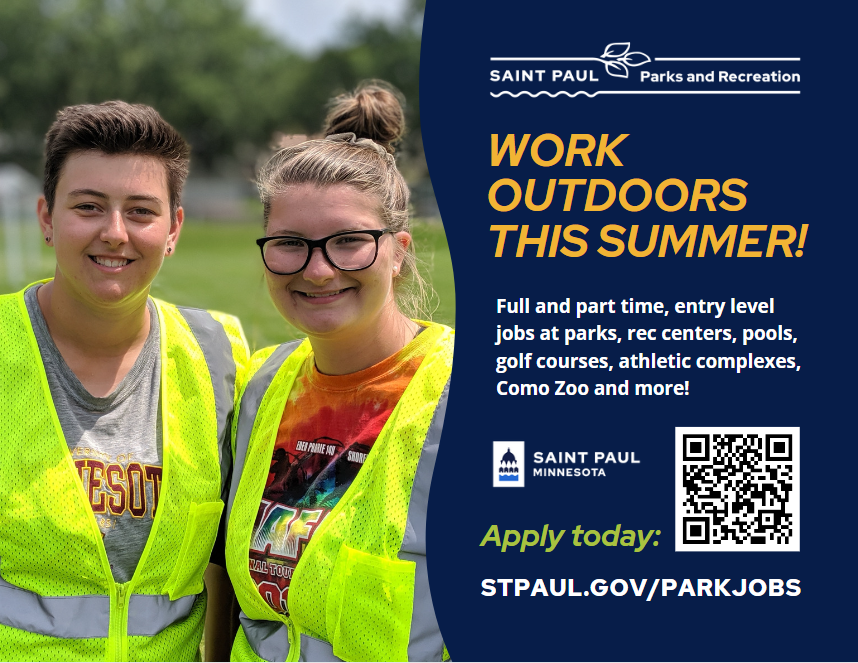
(115, 127)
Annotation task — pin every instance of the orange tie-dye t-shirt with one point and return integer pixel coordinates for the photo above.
(328, 428)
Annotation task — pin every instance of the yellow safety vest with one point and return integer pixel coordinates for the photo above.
(58, 599)
(360, 591)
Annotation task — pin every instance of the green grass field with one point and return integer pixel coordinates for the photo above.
(217, 266)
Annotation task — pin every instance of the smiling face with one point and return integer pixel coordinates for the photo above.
(110, 227)
(321, 300)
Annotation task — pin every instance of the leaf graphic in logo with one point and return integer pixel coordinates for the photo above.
(635, 59)
(616, 50)
(617, 69)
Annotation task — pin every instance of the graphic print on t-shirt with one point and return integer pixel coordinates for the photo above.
(117, 486)
(328, 429)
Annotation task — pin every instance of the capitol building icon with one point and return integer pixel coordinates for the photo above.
(508, 470)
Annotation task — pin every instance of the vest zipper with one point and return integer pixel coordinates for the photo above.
(294, 640)
(118, 638)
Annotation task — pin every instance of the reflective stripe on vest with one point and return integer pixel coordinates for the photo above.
(269, 639)
(425, 642)
(217, 352)
(87, 616)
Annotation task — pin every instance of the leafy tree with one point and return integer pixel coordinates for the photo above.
(218, 78)
(224, 82)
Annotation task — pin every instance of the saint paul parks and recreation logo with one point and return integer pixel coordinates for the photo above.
(508, 465)
(621, 70)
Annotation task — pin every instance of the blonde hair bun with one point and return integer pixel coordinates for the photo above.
(373, 110)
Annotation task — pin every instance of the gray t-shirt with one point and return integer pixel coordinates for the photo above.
(115, 441)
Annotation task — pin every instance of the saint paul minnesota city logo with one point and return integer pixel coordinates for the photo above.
(508, 465)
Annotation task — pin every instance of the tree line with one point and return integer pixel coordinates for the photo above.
(222, 80)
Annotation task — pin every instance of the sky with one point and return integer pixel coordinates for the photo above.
(309, 26)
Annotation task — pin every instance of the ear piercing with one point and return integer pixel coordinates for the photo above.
(47, 239)
(169, 250)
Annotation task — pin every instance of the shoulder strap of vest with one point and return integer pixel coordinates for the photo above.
(225, 354)
(240, 351)
(250, 401)
(424, 642)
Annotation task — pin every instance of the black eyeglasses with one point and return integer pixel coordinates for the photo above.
(349, 251)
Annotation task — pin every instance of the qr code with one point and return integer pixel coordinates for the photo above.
(737, 489)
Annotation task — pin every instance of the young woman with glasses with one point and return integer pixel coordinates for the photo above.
(337, 434)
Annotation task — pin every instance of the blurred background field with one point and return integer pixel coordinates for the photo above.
(236, 77)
